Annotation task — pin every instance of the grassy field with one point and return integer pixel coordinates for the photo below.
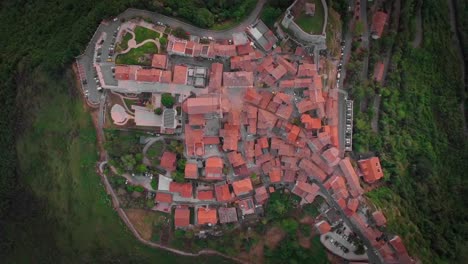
(138, 56)
(57, 158)
(155, 151)
(123, 45)
(311, 24)
(142, 34)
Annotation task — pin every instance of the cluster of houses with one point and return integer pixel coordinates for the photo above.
(260, 121)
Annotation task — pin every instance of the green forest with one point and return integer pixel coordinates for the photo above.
(53, 207)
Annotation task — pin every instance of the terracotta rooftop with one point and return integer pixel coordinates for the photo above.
(307, 70)
(310, 122)
(379, 71)
(236, 159)
(242, 187)
(205, 195)
(371, 169)
(202, 105)
(168, 161)
(163, 197)
(275, 175)
(191, 171)
(323, 227)
(378, 23)
(194, 141)
(216, 76)
(214, 167)
(181, 217)
(184, 189)
(312, 169)
(222, 193)
(379, 218)
(351, 177)
(159, 61)
(180, 74)
(207, 216)
(261, 194)
(122, 72)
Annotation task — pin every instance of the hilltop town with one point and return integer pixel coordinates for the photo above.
(224, 122)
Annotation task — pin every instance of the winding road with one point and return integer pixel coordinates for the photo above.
(216, 34)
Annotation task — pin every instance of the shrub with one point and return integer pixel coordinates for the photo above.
(158, 111)
(167, 100)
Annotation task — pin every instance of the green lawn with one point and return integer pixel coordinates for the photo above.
(155, 151)
(309, 24)
(57, 158)
(123, 45)
(142, 34)
(138, 56)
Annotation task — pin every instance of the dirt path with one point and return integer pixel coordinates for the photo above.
(459, 49)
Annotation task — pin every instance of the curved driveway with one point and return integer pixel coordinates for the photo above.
(216, 34)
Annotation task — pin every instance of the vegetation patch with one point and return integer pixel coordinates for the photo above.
(143, 33)
(123, 45)
(138, 56)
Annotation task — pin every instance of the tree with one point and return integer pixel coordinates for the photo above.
(180, 33)
(141, 168)
(204, 18)
(289, 225)
(181, 164)
(167, 100)
(158, 111)
(163, 41)
(270, 14)
(178, 176)
(154, 183)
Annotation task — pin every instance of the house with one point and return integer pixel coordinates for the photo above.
(261, 195)
(378, 23)
(350, 174)
(159, 61)
(247, 206)
(205, 195)
(184, 189)
(181, 217)
(191, 170)
(242, 187)
(262, 35)
(202, 105)
(379, 218)
(223, 194)
(371, 169)
(122, 72)
(206, 216)
(240, 79)
(162, 197)
(323, 227)
(168, 161)
(403, 256)
(180, 74)
(310, 9)
(379, 71)
(214, 168)
(227, 215)
(310, 122)
(306, 191)
(216, 76)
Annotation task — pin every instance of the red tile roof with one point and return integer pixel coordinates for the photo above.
(216, 76)
(222, 193)
(379, 218)
(278, 72)
(293, 134)
(305, 190)
(191, 171)
(225, 50)
(202, 105)
(163, 197)
(181, 217)
(205, 195)
(184, 189)
(180, 74)
(168, 160)
(311, 123)
(236, 159)
(304, 106)
(207, 216)
(400, 248)
(290, 67)
(323, 227)
(312, 169)
(351, 177)
(275, 175)
(214, 167)
(307, 70)
(261, 194)
(378, 23)
(122, 72)
(159, 61)
(242, 187)
(252, 96)
(194, 141)
(379, 71)
(211, 140)
(371, 169)
(353, 204)
(244, 49)
(331, 156)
